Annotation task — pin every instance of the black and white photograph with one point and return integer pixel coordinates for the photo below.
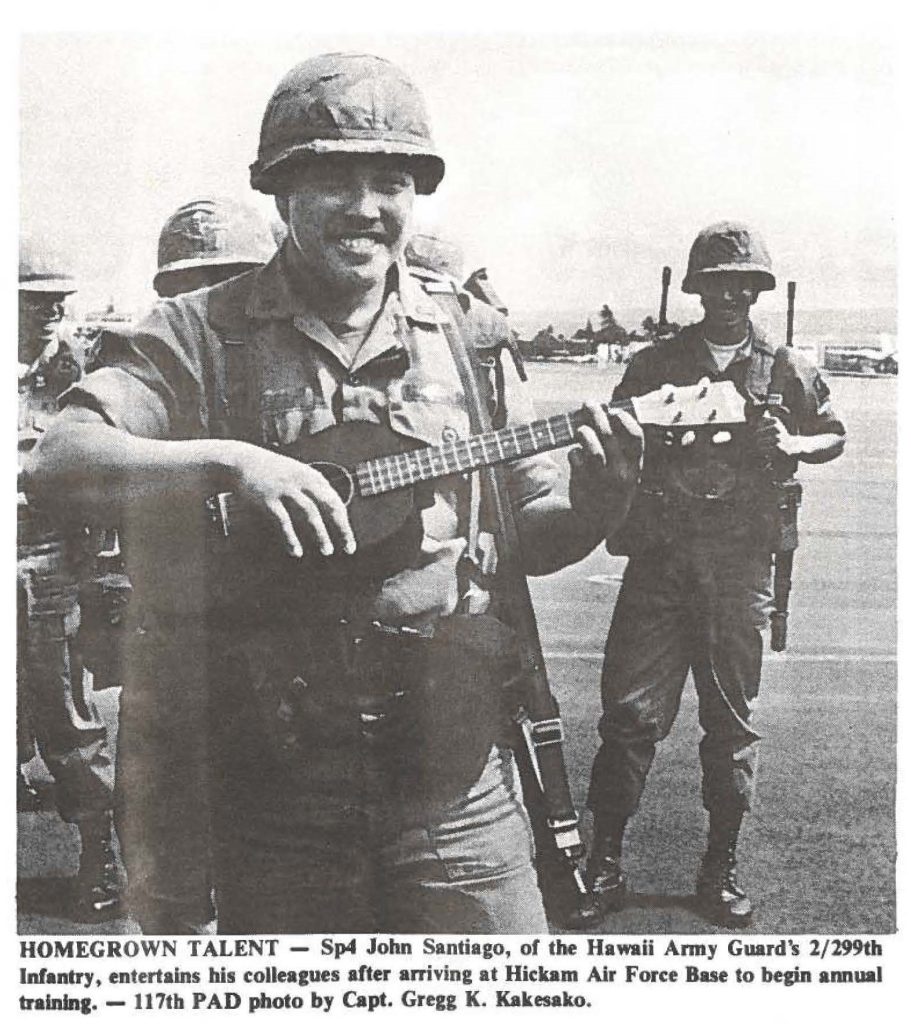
(456, 495)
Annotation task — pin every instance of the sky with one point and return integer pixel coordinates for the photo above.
(577, 165)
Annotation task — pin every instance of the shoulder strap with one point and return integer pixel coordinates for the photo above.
(236, 394)
(471, 373)
(540, 716)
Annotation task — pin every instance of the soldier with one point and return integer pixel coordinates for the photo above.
(202, 243)
(696, 591)
(209, 240)
(56, 702)
(357, 779)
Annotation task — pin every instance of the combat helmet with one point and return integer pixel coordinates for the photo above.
(726, 246)
(344, 103)
(42, 269)
(429, 252)
(212, 232)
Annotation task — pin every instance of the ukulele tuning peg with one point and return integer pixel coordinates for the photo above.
(669, 397)
(703, 391)
(678, 416)
(713, 415)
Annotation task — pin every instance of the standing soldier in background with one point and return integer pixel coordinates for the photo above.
(55, 694)
(209, 240)
(203, 242)
(696, 591)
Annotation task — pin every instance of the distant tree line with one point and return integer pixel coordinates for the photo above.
(586, 341)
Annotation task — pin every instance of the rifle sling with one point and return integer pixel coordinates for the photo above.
(540, 705)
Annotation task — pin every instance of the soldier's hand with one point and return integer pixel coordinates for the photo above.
(605, 466)
(299, 500)
(772, 436)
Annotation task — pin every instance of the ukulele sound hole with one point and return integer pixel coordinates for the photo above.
(338, 477)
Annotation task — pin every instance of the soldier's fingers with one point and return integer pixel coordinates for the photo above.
(590, 448)
(615, 454)
(629, 437)
(305, 509)
(599, 418)
(631, 428)
(334, 514)
(280, 514)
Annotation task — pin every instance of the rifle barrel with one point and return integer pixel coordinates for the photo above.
(665, 286)
(792, 291)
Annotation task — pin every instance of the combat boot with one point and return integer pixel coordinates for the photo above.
(98, 881)
(718, 893)
(604, 874)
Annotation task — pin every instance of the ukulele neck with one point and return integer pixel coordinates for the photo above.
(388, 473)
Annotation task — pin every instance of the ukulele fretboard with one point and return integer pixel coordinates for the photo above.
(391, 472)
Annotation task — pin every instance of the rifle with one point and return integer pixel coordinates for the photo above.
(788, 495)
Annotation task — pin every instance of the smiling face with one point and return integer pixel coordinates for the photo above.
(726, 297)
(39, 314)
(348, 217)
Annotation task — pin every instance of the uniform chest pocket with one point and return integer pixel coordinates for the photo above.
(288, 414)
(430, 409)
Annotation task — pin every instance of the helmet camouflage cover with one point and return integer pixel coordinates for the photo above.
(728, 246)
(210, 232)
(344, 103)
(425, 251)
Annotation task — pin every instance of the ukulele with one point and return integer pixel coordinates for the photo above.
(375, 471)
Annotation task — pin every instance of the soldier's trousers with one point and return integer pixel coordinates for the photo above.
(700, 608)
(309, 841)
(56, 699)
(330, 855)
(163, 772)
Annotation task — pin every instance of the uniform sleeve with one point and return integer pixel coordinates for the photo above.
(811, 405)
(150, 381)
